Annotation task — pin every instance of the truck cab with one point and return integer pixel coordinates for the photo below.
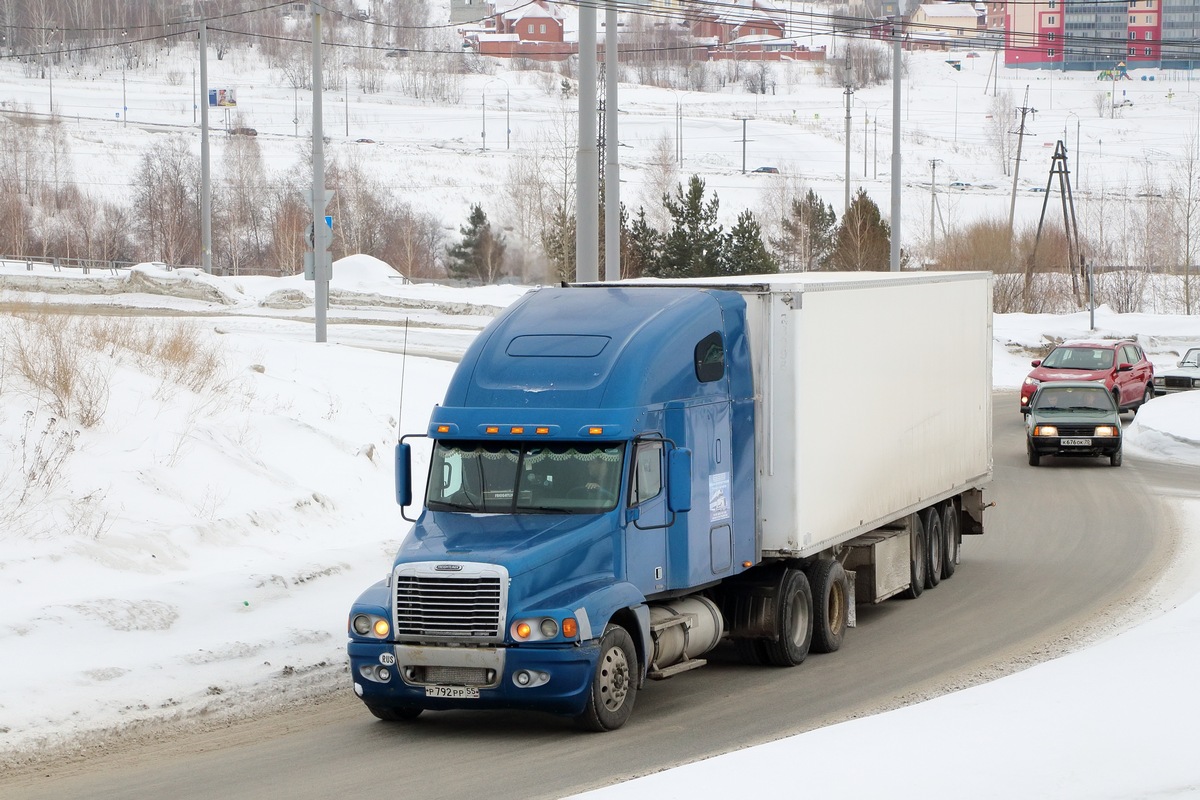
(589, 474)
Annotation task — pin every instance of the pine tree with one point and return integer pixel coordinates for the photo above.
(863, 240)
(744, 252)
(480, 254)
(643, 248)
(808, 230)
(693, 246)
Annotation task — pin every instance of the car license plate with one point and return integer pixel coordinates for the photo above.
(456, 692)
(1075, 442)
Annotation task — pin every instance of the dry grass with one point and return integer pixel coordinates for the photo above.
(67, 359)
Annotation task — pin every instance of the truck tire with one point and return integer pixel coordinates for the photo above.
(831, 604)
(793, 622)
(953, 540)
(750, 651)
(935, 547)
(395, 713)
(614, 684)
(917, 559)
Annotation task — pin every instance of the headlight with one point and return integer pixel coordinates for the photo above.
(370, 625)
(1160, 381)
(1032, 382)
(1045, 430)
(1196, 383)
(1106, 430)
(538, 629)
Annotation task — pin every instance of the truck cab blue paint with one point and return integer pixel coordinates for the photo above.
(661, 371)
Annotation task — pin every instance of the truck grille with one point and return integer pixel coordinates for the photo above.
(467, 607)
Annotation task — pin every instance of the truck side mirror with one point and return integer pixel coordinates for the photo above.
(404, 474)
(679, 480)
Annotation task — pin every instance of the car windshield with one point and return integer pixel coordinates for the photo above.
(1085, 358)
(1073, 398)
(525, 477)
(1191, 358)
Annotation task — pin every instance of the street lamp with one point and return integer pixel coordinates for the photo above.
(507, 113)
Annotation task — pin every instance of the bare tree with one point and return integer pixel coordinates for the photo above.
(166, 203)
(1184, 194)
(1001, 134)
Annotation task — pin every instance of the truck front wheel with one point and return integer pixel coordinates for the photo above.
(394, 713)
(614, 684)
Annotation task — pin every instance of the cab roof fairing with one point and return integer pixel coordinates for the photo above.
(552, 350)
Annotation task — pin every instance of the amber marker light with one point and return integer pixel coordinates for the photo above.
(443, 428)
(516, 429)
(595, 430)
(570, 627)
(747, 564)
(541, 431)
(381, 628)
(491, 429)
(523, 630)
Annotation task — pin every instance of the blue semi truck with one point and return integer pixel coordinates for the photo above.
(624, 476)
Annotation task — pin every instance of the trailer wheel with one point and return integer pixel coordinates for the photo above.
(935, 546)
(917, 559)
(793, 622)
(614, 684)
(953, 540)
(831, 604)
(395, 713)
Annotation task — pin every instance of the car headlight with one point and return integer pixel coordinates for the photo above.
(1160, 381)
(1032, 382)
(1045, 430)
(1105, 430)
(1196, 383)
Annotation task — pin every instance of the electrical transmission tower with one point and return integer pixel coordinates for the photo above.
(1059, 168)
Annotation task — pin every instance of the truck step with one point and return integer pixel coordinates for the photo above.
(675, 669)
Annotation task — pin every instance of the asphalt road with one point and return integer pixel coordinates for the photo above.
(1071, 547)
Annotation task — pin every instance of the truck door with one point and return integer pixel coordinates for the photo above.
(646, 533)
(701, 546)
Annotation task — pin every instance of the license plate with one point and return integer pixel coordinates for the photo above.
(456, 692)
(1075, 442)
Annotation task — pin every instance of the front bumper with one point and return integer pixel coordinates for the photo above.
(559, 676)
(1053, 446)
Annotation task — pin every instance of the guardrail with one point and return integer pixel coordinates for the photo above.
(86, 265)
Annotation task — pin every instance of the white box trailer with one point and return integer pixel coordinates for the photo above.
(874, 403)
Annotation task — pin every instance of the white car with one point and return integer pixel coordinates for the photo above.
(1186, 374)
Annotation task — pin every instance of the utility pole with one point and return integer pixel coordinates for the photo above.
(1012, 206)
(612, 157)
(894, 253)
(587, 178)
(744, 144)
(866, 128)
(205, 161)
(933, 162)
(849, 91)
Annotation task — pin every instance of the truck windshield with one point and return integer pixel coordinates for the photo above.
(525, 477)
